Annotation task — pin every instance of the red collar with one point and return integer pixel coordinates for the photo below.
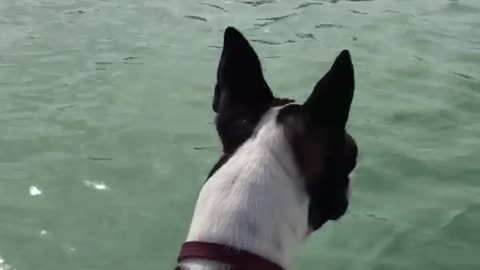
(242, 259)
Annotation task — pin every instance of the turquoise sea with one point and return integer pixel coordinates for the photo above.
(106, 134)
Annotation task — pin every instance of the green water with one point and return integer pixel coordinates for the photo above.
(102, 104)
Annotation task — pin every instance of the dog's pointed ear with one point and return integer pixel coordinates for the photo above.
(240, 79)
(329, 104)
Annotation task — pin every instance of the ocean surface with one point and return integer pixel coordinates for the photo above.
(106, 133)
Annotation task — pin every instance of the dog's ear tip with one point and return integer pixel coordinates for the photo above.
(344, 57)
(345, 52)
(231, 31)
(343, 65)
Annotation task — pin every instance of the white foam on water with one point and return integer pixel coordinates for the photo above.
(96, 185)
(4, 265)
(34, 191)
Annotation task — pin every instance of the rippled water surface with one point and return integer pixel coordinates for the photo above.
(105, 108)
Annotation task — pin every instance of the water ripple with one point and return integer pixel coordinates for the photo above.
(329, 25)
(214, 6)
(271, 20)
(195, 17)
(267, 42)
(307, 4)
(305, 35)
(358, 12)
(257, 3)
(465, 76)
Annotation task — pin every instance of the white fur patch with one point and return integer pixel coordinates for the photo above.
(256, 201)
(204, 265)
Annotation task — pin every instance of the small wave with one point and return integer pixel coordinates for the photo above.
(271, 20)
(329, 25)
(4, 265)
(214, 6)
(267, 42)
(194, 17)
(305, 35)
(307, 4)
(257, 3)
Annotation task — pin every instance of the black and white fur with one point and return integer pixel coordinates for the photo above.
(285, 166)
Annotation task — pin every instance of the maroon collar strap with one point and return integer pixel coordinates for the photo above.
(241, 259)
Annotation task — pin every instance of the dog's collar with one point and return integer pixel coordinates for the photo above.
(240, 259)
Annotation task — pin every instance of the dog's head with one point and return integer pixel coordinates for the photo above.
(324, 152)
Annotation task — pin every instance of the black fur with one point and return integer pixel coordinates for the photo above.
(241, 94)
(324, 151)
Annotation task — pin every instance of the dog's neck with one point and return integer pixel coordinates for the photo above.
(255, 201)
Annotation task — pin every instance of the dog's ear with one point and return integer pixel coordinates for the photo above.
(240, 80)
(327, 111)
(329, 104)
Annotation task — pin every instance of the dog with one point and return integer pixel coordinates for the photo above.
(285, 168)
